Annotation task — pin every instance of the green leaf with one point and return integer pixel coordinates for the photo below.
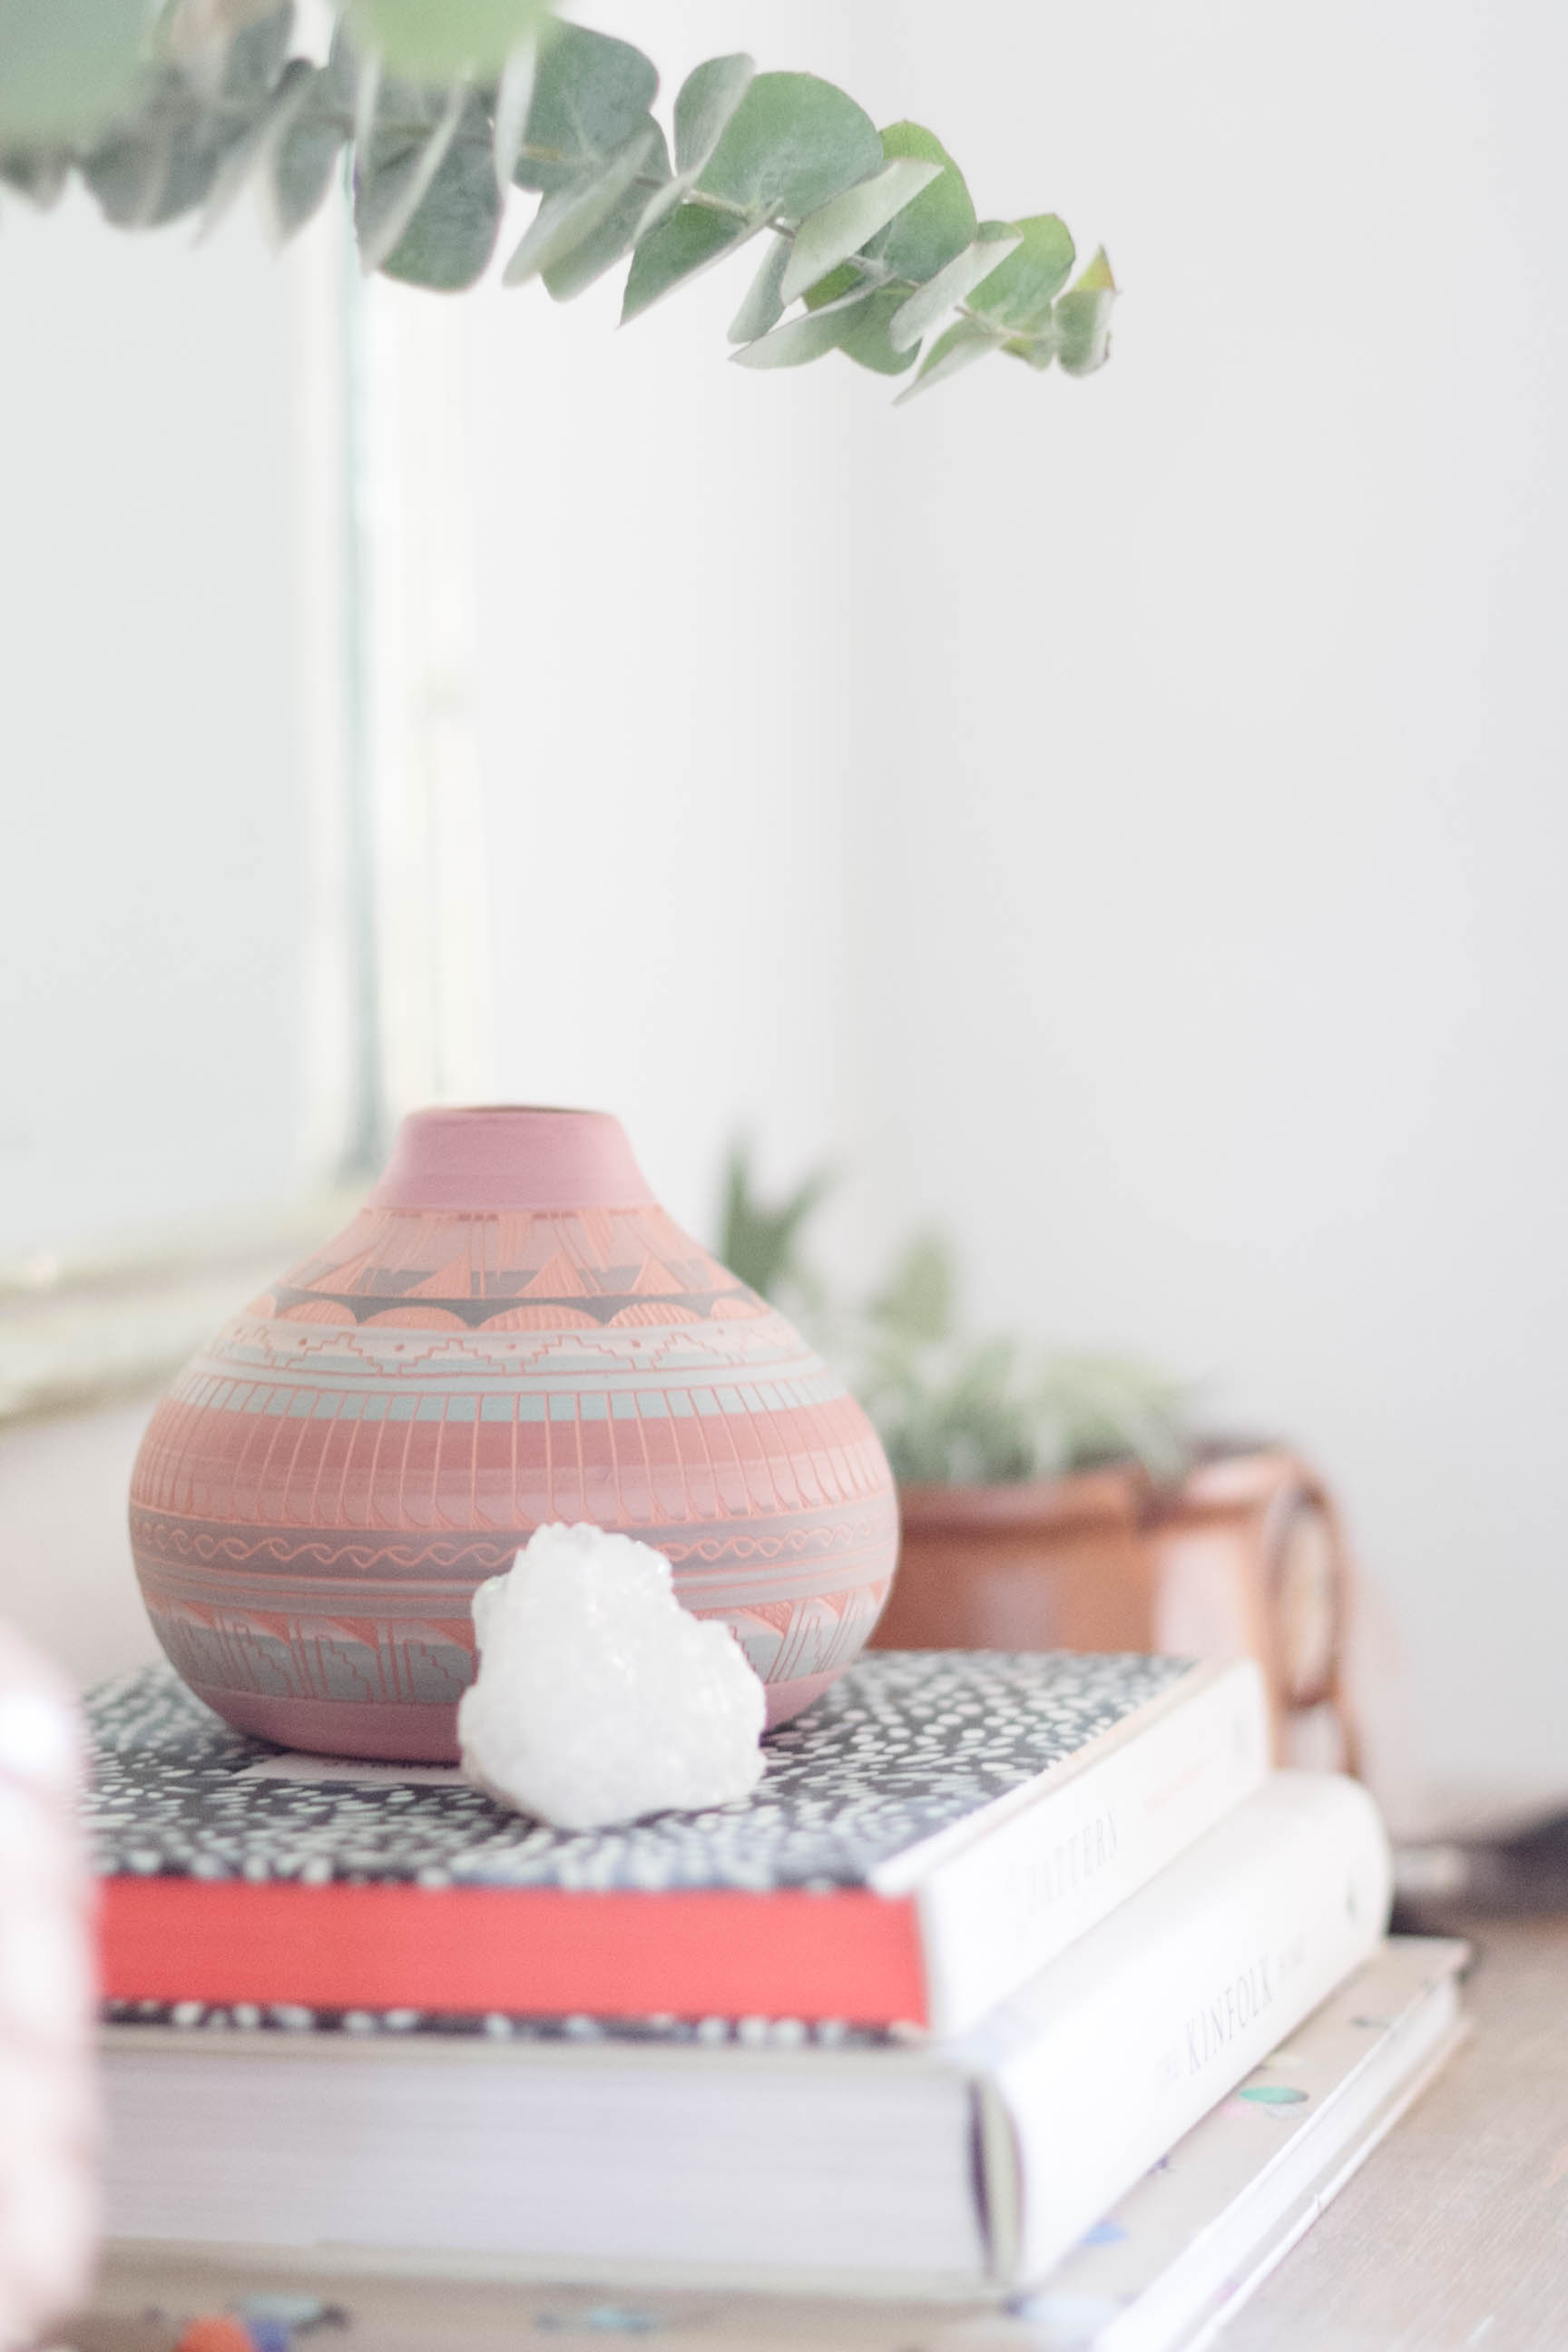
(436, 40)
(1082, 319)
(843, 224)
(256, 54)
(847, 279)
(865, 339)
(129, 172)
(760, 1239)
(807, 337)
(793, 143)
(163, 162)
(616, 232)
(687, 241)
(590, 94)
(764, 306)
(1019, 293)
(451, 235)
(568, 217)
(267, 127)
(917, 1299)
(965, 342)
(299, 171)
(939, 224)
(1099, 1408)
(919, 312)
(707, 98)
(40, 173)
(514, 99)
(396, 166)
(68, 65)
(1039, 351)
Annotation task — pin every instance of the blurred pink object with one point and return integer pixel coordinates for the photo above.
(49, 2119)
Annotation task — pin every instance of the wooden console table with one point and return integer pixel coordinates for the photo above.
(1453, 2236)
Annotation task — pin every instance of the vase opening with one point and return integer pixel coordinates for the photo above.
(489, 1158)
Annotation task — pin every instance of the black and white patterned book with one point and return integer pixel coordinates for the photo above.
(928, 1834)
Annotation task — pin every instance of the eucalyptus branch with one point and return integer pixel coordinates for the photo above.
(432, 115)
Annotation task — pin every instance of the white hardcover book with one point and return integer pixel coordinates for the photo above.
(1005, 1890)
(1179, 2254)
(1162, 2272)
(756, 2162)
(1139, 2029)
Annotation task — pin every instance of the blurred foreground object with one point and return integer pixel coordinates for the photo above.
(1059, 1501)
(1242, 1557)
(48, 2104)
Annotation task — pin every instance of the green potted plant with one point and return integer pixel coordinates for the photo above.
(1066, 1500)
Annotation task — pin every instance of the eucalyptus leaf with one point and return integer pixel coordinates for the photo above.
(256, 54)
(569, 216)
(1037, 352)
(268, 126)
(843, 224)
(365, 77)
(297, 174)
(514, 96)
(920, 311)
(866, 339)
(793, 143)
(397, 165)
(161, 164)
(436, 40)
(801, 339)
(939, 224)
(129, 172)
(686, 241)
(764, 306)
(1018, 294)
(67, 67)
(590, 94)
(40, 173)
(848, 278)
(965, 342)
(1082, 318)
(707, 99)
(616, 234)
(227, 52)
(451, 235)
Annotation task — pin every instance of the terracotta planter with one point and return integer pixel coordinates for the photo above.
(1245, 1558)
(511, 1331)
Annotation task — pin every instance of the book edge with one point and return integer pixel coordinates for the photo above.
(905, 1871)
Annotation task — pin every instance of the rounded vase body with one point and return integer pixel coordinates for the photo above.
(510, 1332)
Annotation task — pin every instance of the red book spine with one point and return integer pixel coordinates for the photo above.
(527, 1951)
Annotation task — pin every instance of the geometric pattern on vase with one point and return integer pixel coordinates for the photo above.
(324, 1486)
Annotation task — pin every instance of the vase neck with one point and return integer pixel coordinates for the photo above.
(502, 1157)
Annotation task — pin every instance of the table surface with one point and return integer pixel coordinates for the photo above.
(1453, 2235)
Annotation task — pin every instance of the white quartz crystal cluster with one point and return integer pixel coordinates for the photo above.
(599, 1698)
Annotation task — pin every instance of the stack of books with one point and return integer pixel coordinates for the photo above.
(1018, 1978)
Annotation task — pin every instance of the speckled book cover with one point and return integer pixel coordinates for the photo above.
(238, 1876)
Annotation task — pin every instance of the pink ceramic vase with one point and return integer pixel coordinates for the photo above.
(510, 1332)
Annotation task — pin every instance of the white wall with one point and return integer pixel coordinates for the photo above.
(1122, 819)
